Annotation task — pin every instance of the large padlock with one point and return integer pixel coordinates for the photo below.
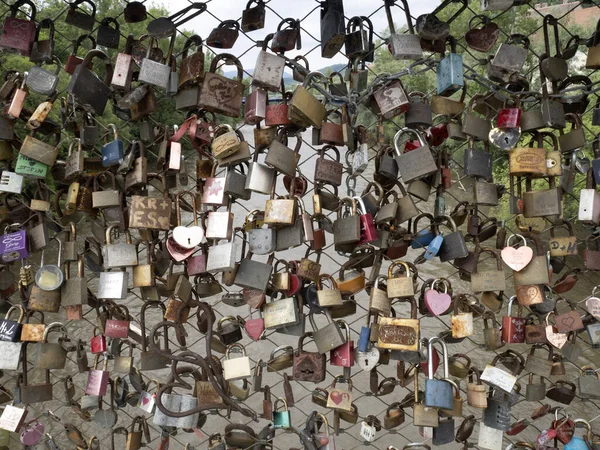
(268, 72)
(509, 59)
(415, 164)
(120, 254)
(332, 27)
(418, 114)
(19, 34)
(156, 73)
(438, 393)
(497, 413)
(219, 93)
(87, 88)
(406, 46)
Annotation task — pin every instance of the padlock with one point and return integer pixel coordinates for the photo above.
(120, 254)
(449, 72)
(497, 413)
(87, 87)
(156, 73)
(238, 368)
(509, 59)
(73, 60)
(20, 33)
(405, 46)
(308, 366)
(253, 18)
(74, 290)
(228, 98)
(391, 98)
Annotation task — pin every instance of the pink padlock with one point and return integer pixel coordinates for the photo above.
(97, 381)
(255, 327)
(32, 432)
(343, 355)
(437, 302)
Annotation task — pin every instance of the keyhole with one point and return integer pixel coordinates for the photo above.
(367, 362)
(189, 241)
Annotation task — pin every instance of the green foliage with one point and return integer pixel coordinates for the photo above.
(518, 18)
(65, 37)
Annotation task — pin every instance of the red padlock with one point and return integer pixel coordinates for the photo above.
(295, 281)
(435, 357)
(513, 327)
(509, 117)
(115, 329)
(565, 428)
(411, 145)
(343, 356)
(277, 113)
(368, 232)
(98, 342)
(438, 133)
(19, 34)
(517, 427)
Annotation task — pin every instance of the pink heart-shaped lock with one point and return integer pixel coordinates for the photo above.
(255, 328)
(516, 258)
(437, 302)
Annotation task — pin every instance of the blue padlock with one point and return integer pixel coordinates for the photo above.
(112, 152)
(577, 442)
(363, 340)
(434, 247)
(438, 393)
(449, 73)
(422, 238)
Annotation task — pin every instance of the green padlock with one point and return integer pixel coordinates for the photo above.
(281, 419)
(31, 168)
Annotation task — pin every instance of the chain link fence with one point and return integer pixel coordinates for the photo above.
(367, 402)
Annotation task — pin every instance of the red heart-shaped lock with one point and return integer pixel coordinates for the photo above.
(484, 38)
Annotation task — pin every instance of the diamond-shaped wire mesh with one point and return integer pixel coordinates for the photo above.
(365, 400)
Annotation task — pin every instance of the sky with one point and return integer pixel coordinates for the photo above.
(297, 9)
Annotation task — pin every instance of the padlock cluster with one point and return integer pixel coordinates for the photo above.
(257, 234)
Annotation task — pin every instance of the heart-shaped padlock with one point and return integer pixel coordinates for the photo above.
(582, 162)
(484, 38)
(429, 27)
(593, 306)
(505, 138)
(437, 302)
(517, 258)
(367, 360)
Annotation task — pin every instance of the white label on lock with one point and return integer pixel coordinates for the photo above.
(498, 378)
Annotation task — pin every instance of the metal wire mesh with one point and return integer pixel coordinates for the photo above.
(367, 402)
